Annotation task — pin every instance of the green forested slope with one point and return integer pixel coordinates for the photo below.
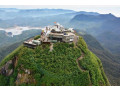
(57, 67)
(110, 62)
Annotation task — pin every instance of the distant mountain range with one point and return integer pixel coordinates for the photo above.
(105, 27)
(92, 17)
(14, 13)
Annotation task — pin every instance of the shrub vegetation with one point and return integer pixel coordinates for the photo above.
(58, 67)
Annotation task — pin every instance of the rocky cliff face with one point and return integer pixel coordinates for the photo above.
(8, 68)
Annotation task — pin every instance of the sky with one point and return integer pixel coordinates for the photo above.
(103, 9)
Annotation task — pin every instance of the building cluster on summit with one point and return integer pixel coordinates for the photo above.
(53, 34)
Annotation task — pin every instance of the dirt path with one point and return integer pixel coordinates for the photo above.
(51, 47)
(81, 68)
(77, 61)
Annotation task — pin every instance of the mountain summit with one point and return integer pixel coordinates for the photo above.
(61, 62)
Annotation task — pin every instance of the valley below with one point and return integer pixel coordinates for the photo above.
(17, 30)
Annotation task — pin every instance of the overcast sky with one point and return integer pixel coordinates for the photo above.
(90, 8)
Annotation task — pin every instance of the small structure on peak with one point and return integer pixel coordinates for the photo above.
(59, 33)
(52, 34)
